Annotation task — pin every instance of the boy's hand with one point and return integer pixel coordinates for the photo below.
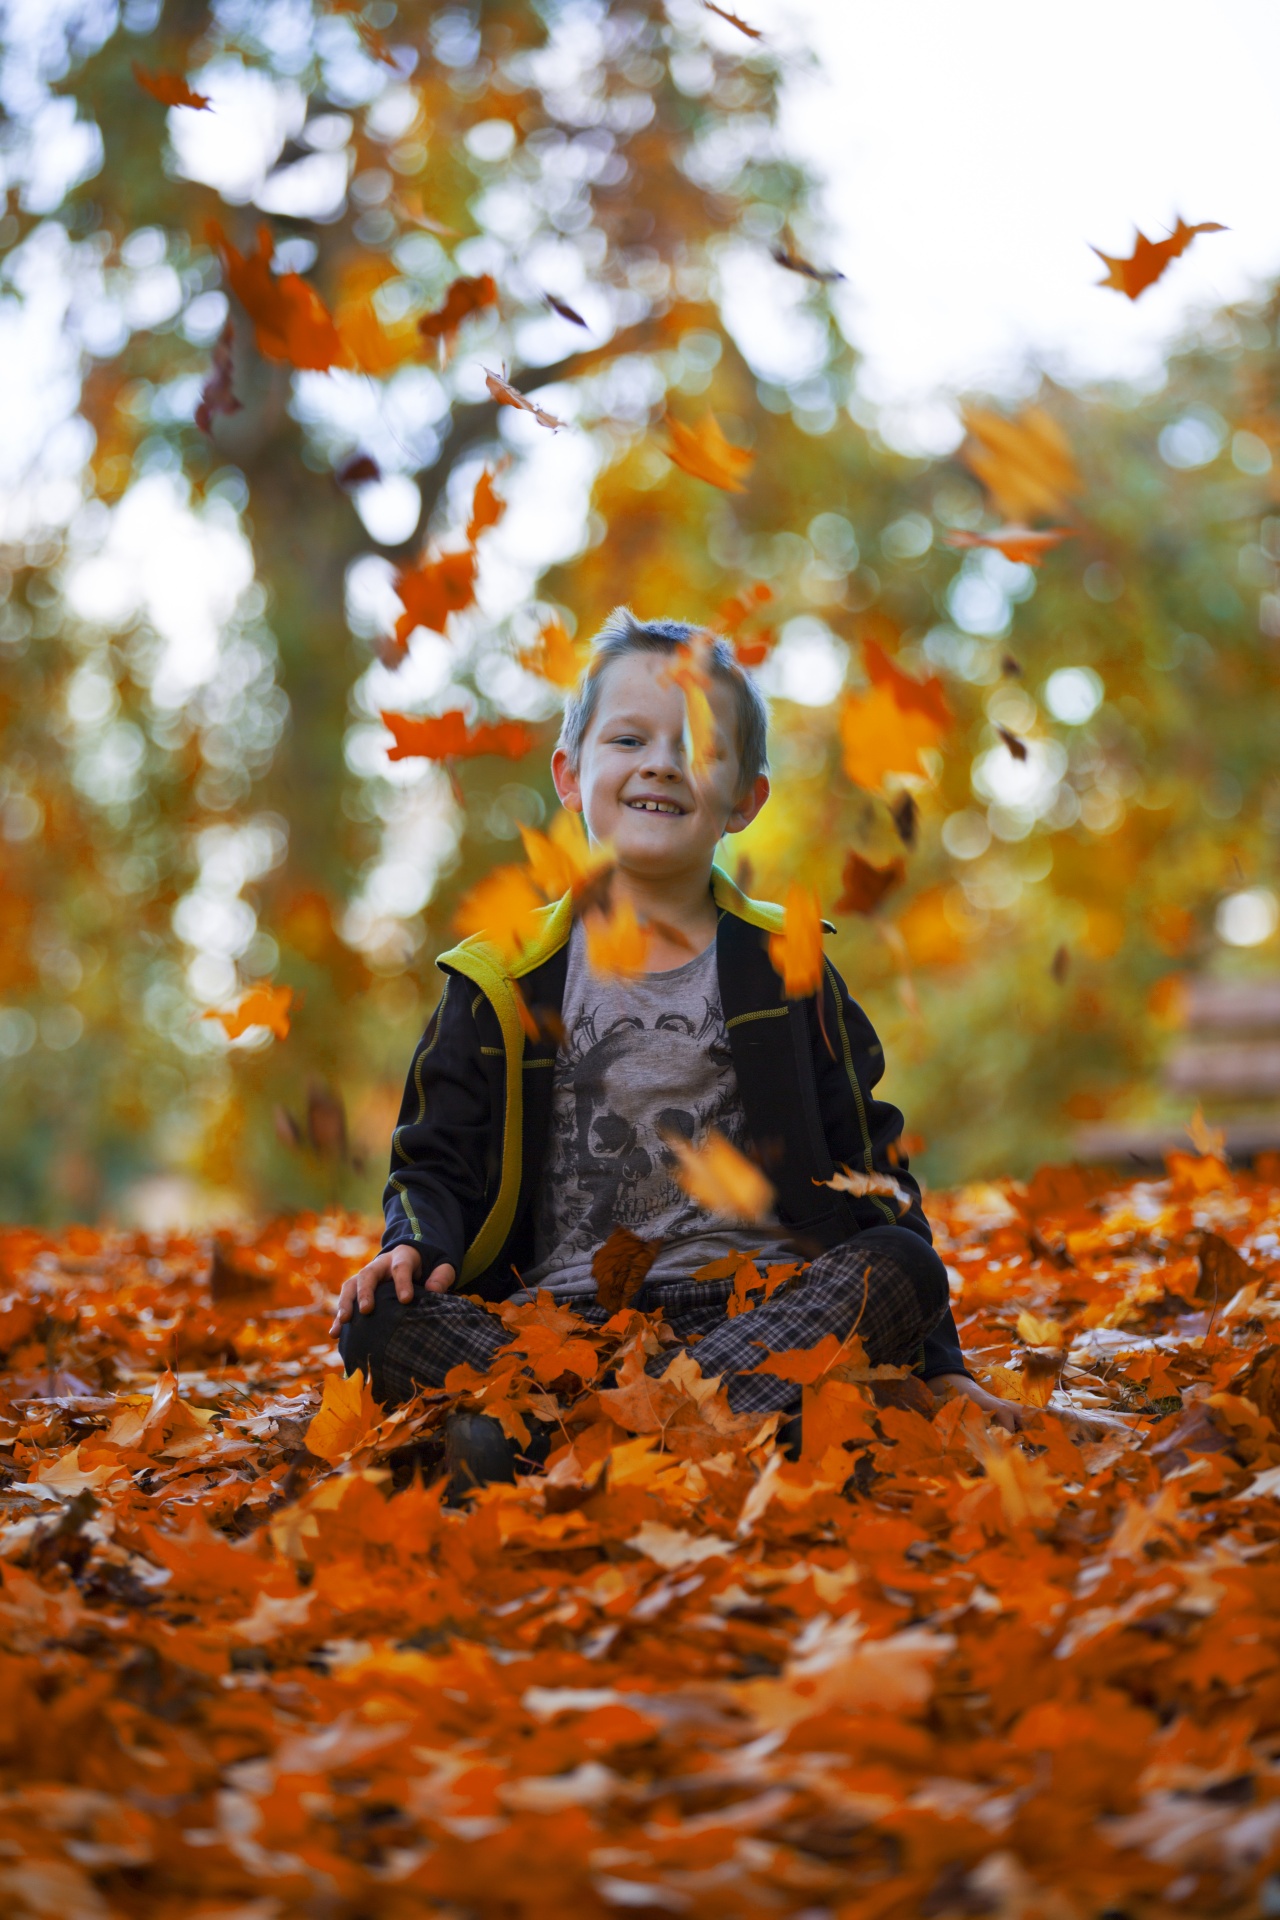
(401, 1266)
(1010, 1417)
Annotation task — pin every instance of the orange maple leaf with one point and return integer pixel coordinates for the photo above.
(720, 1178)
(446, 736)
(1026, 463)
(553, 655)
(617, 944)
(1149, 258)
(463, 298)
(290, 320)
(170, 89)
(260, 1007)
(564, 860)
(486, 508)
(886, 730)
(346, 1413)
(704, 452)
(620, 1265)
(1024, 544)
(806, 1364)
(502, 908)
(433, 590)
(866, 885)
(796, 952)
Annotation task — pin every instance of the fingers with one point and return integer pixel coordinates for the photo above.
(406, 1264)
(346, 1305)
(441, 1278)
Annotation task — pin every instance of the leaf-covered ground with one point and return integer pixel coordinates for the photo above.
(251, 1665)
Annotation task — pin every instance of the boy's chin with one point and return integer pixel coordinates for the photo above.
(652, 857)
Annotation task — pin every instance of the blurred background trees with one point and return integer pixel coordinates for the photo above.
(194, 788)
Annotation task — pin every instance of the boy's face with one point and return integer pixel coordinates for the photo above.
(633, 784)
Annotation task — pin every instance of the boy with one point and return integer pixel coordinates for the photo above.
(514, 1160)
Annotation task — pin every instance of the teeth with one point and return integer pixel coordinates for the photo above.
(653, 806)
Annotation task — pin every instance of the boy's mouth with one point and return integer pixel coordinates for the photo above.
(648, 805)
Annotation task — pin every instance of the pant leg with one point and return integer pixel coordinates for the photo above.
(888, 1282)
(400, 1348)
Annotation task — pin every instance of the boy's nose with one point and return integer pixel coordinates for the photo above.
(663, 761)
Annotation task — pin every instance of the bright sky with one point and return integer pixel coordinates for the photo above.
(974, 152)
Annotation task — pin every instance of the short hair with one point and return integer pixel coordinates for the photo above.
(621, 634)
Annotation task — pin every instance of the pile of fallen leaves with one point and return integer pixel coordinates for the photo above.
(252, 1665)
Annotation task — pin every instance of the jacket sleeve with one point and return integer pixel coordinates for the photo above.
(860, 1131)
(434, 1198)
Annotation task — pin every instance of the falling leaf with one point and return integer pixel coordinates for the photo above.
(1207, 1140)
(566, 312)
(564, 860)
(486, 508)
(1025, 463)
(1018, 748)
(906, 818)
(503, 908)
(260, 1007)
(719, 1178)
(1149, 258)
(740, 606)
(796, 263)
(169, 88)
(865, 885)
(433, 590)
(796, 953)
(1010, 668)
(290, 320)
(1024, 544)
(358, 471)
(704, 452)
(464, 297)
(554, 655)
(886, 730)
(447, 736)
(347, 1412)
(862, 1184)
(617, 944)
(1060, 965)
(508, 396)
(620, 1265)
(216, 395)
(689, 669)
(752, 33)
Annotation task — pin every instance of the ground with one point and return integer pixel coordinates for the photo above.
(253, 1667)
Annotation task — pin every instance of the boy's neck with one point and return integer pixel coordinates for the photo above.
(679, 905)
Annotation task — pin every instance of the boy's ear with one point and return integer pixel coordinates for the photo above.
(749, 805)
(567, 785)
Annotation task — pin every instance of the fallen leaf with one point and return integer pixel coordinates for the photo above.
(620, 1265)
(1149, 258)
(566, 312)
(704, 452)
(290, 320)
(447, 736)
(805, 1365)
(554, 655)
(865, 885)
(1025, 463)
(261, 1007)
(1024, 544)
(345, 1416)
(464, 298)
(752, 33)
(796, 953)
(796, 263)
(617, 944)
(432, 590)
(170, 89)
(216, 395)
(508, 396)
(719, 1178)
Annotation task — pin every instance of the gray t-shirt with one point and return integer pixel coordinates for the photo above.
(640, 1058)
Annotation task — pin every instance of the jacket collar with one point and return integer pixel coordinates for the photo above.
(480, 960)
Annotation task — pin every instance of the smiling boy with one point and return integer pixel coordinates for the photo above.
(515, 1160)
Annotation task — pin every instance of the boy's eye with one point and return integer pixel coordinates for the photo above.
(626, 740)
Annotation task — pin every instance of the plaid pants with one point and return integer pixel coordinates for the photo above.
(886, 1282)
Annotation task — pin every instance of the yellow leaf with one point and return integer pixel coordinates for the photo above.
(1040, 1333)
(1026, 464)
(720, 1178)
(563, 860)
(879, 738)
(554, 655)
(617, 945)
(260, 1007)
(796, 952)
(346, 1413)
(689, 672)
(704, 452)
(501, 908)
